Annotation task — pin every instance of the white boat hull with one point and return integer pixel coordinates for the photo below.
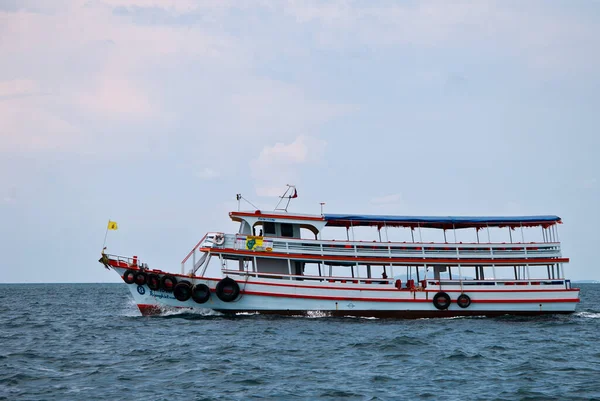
(377, 300)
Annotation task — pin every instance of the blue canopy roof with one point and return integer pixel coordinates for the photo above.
(446, 222)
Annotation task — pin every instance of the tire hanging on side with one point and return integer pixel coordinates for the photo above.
(129, 276)
(463, 301)
(153, 281)
(168, 283)
(227, 290)
(140, 278)
(200, 293)
(441, 300)
(183, 291)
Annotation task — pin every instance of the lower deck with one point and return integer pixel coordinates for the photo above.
(401, 276)
(426, 292)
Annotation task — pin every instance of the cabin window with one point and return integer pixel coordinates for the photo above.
(287, 230)
(269, 228)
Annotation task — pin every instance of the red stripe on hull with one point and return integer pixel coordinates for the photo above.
(149, 310)
(374, 287)
(330, 298)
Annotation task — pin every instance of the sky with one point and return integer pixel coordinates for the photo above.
(156, 113)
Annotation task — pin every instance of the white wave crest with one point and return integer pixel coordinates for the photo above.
(316, 314)
(173, 311)
(588, 315)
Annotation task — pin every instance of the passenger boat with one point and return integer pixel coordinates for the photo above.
(278, 263)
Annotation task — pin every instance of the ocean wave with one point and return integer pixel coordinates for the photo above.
(101, 348)
(588, 315)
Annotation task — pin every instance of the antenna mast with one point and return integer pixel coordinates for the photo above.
(239, 197)
(289, 194)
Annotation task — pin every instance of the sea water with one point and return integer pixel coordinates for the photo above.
(89, 341)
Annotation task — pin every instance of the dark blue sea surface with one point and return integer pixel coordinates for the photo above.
(89, 341)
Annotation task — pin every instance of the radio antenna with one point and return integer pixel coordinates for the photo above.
(289, 194)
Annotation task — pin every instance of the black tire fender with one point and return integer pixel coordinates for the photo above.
(463, 301)
(153, 281)
(227, 289)
(182, 291)
(129, 276)
(200, 293)
(441, 300)
(140, 278)
(168, 283)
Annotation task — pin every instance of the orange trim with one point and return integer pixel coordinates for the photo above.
(384, 244)
(277, 216)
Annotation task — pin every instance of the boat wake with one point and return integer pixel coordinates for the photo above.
(588, 315)
(192, 312)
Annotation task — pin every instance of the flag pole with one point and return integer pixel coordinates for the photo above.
(105, 235)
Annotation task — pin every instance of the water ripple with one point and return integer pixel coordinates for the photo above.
(99, 347)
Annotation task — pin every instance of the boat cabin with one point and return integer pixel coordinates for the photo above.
(275, 224)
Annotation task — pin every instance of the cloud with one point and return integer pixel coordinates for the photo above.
(103, 70)
(11, 197)
(280, 164)
(17, 87)
(171, 5)
(28, 127)
(302, 150)
(387, 199)
(114, 97)
(540, 35)
(589, 183)
(207, 174)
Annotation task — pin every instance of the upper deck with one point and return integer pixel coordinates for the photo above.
(279, 236)
(439, 222)
(275, 243)
(316, 223)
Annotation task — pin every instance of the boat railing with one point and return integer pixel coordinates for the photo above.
(193, 254)
(399, 249)
(330, 279)
(124, 261)
(506, 284)
(497, 282)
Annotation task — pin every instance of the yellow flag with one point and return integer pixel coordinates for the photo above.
(112, 225)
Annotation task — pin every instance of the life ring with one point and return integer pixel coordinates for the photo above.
(463, 301)
(441, 300)
(129, 276)
(219, 239)
(168, 283)
(227, 290)
(153, 281)
(200, 293)
(183, 291)
(140, 278)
